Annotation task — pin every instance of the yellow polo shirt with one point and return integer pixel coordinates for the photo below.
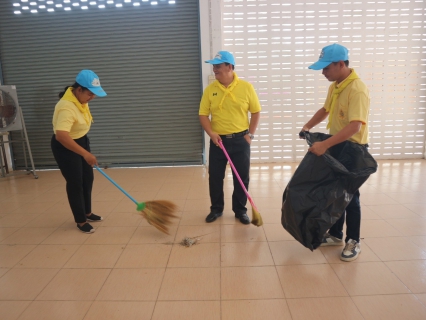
(229, 108)
(353, 104)
(67, 117)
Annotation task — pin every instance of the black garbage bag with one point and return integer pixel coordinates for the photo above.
(321, 188)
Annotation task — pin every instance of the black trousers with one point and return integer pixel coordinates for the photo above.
(352, 213)
(239, 152)
(78, 175)
(353, 221)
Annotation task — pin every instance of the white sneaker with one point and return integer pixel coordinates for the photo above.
(329, 240)
(351, 251)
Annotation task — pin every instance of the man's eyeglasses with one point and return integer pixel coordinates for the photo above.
(217, 66)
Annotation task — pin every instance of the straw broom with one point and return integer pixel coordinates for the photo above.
(158, 213)
(256, 217)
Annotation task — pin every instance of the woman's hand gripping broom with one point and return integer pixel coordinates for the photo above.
(256, 217)
(158, 213)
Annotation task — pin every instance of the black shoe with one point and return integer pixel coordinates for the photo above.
(93, 217)
(213, 216)
(86, 228)
(243, 217)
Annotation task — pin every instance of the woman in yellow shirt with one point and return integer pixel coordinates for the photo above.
(71, 147)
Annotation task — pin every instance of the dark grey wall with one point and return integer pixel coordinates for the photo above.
(148, 61)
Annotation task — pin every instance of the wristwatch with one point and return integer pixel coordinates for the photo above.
(251, 136)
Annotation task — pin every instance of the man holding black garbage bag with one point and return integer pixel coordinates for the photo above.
(347, 107)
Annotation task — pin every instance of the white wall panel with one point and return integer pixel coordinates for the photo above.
(275, 41)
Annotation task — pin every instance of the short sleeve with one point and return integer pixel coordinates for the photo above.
(359, 107)
(254, 103)
(65, 120)
(205, 104)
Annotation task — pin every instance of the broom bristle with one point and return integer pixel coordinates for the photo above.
(256, 218)
(159, 213)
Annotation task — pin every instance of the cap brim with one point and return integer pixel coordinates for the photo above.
(214, 61)
(319, 65)
(98, 91)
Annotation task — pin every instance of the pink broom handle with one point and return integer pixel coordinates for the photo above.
(238, 176)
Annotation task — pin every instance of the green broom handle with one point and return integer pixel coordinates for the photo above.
(236, 173)
(115, 183)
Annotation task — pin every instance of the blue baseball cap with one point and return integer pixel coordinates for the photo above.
(89, 80)
(221, 57)
(332, 53)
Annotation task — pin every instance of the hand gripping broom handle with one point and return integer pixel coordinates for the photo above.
(115, 184)
(238, 176)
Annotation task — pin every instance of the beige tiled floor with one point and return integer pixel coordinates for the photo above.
(129, 270)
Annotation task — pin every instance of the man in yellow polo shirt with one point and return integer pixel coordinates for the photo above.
(347, 107)
(228, 101)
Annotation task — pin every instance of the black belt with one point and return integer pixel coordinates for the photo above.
(234, 135)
